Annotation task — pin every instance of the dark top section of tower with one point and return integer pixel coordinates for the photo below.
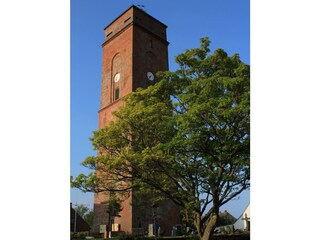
(135, 16)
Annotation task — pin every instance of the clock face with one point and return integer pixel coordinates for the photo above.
(117, 77)
(150, 76)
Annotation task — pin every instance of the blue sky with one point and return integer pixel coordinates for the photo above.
(225, 22)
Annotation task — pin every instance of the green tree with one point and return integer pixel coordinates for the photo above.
(89, 218)
(185, 138)
(114, 209)
(85, 212)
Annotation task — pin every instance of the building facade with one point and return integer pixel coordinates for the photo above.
(134, 49)
(243, 222)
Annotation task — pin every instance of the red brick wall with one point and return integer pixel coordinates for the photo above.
(125, 220)
(150, 54)
(135, 43)
(100, 215)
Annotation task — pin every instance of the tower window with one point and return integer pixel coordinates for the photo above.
(116, 93)
(127, 19)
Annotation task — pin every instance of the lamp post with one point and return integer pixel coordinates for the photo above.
(75, 220)
(155, 208)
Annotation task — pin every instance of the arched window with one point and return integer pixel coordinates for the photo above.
(116, 77)
(116, 93)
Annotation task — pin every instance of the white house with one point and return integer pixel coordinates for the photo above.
(243, 222)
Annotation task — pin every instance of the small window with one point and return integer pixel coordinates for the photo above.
(116, 93)
(127, 19)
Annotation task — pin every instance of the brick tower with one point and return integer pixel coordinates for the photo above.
(134, 49)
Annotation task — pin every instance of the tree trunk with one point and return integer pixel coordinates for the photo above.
(197, 224)
(209, 228)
